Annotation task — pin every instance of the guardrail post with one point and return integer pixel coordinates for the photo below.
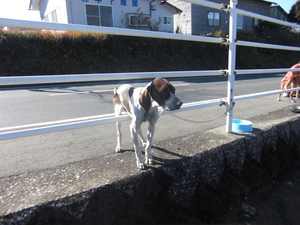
(231, 64)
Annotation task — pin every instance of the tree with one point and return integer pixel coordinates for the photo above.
(294, 15)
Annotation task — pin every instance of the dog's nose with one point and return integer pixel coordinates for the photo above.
(179, 104)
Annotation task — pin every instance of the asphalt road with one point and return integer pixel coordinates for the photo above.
(37, 104)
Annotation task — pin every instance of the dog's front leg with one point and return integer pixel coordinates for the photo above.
(143, 141)
(134, 129)
(150, 134)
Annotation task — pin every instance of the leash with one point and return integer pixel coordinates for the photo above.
(206, 121)
(161, 112)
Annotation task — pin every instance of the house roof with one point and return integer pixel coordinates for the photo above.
(266, 1)
(275, 5)
(164, 2)
(279, 8)
(34, 5)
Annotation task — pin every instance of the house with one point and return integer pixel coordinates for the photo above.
(199, 20)
(278, 12)
(137, 14)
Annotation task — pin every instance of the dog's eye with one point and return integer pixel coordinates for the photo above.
(171, 88)
(164, 91)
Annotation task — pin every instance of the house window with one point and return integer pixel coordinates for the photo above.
(124, 2)
(255, 22)
(135, 3)
(99, 15)
(278, 15)
(138, 20)
(46, 18)
(213, 19)
(54, 16)
(240, 21)
(167, 20)
(51, 17)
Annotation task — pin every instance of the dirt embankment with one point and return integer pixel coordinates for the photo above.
(275, 201)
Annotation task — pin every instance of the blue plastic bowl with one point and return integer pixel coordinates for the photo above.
(241, 126)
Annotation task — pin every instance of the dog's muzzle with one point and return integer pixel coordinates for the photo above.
(172, 105)
(178, 104)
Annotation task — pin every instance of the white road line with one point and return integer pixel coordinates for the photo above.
(176, 85)
(80, 92)
(44, 124)
(97, 91)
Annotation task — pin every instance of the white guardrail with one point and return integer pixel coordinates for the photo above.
(34, 129)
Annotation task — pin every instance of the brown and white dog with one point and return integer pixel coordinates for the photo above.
(142, 105)
(294, 82)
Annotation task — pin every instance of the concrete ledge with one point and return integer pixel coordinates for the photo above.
(195, 178)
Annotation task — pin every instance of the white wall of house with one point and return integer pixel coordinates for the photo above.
(166, 14)
(53, 11)
(74, 11)
(77, 9)
(183, 21)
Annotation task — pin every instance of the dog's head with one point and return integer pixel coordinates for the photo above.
(161, 91)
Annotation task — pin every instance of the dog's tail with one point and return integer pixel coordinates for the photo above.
(287, 84)
(115, 98)
(115, 90)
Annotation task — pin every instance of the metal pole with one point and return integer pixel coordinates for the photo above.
(231, 64)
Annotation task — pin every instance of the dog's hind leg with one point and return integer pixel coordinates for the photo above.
(292, 93)
(118, 110)
(279, 97)
(119, 137)
(292, 98)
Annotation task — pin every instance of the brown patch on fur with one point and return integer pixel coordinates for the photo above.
(116, 98)
(161, 91)
(126, 98)
(294, 82)
(145, 98)
(130, 92)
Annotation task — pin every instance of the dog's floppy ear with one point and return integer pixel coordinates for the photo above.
(145, 97)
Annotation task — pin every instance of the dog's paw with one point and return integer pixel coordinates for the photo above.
(149, 161)
(141, 166)
(118, 149)
(144, 144)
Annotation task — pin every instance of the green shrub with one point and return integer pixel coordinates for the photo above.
(41, 53)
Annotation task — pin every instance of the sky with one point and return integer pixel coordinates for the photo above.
(18, 9)
(285, 4)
